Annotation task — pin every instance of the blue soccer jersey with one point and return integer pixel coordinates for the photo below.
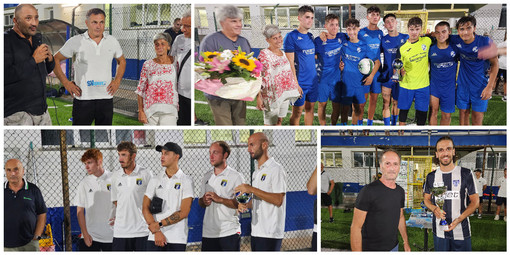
(372, 38)
(472, 71)
(351, 54)
(443, 69)
(389, 48)
(303, 47)
(328, 53)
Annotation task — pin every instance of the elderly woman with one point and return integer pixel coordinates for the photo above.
(279, 84)
(157, 89)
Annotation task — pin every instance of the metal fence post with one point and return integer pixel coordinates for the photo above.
(65, 191)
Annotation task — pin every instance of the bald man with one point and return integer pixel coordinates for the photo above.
(24, 210)
(27, 62)
(268, 203)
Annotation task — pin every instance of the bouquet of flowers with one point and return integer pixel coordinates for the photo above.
(229, 74)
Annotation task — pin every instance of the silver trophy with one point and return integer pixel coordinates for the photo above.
(243, 198)
(397, 65)
(439, 195)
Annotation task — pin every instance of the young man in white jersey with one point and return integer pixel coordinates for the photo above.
(268, 203)
(221, 229)
(460, 186)
(481, 184)
(167, 203)
(130, 230)
(94, 205)
(501, 196)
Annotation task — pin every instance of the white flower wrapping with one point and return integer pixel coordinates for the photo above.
(240, 89)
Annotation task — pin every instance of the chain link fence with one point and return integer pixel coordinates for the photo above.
(40, 153)
(133, 25)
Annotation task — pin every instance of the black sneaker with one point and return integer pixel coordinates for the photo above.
(331, 220)
(200, 122)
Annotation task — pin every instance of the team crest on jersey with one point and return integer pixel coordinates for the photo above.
(177, 186)
(475, 49)
(423, 47)
(452, 53)
(139, 181)
(109, 187)
(456, 183)
(358, 49)
(223, 183)
(263, 178)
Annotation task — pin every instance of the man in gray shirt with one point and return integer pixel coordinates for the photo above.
(227, 111)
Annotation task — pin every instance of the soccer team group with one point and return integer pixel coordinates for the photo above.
(338, 77)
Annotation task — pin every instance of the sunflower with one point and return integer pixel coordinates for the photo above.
(208, 55)
(243, 62)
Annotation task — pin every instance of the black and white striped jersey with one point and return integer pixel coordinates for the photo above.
(460, 184)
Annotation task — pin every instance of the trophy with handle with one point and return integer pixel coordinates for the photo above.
(243, 198)
(439, 197)
(397, 65)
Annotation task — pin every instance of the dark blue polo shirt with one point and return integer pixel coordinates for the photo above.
(20, 214)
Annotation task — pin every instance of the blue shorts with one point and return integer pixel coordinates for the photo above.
(467, 99)
(443, 244)
(352, 95)
(446, 97)
(375, 87)
(394, 86)
(329, 87)
(421, 98)
(310, 94)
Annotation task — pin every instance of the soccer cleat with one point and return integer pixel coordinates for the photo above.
(331, 220)
(479, 216)
(497, 217)
(503, 98)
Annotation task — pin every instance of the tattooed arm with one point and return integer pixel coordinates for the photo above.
(179, 215)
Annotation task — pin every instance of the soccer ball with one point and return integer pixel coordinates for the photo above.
(365, 66)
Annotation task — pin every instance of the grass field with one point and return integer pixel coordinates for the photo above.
(65, 110)
(496, 113)
(486, 234)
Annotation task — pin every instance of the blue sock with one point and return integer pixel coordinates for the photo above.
(360, 122)
(343, 124)
(370, 122)
(386, 121)
(395, 120)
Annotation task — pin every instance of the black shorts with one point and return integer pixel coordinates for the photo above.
(96, 246)
(226, 243)
(151, 246)
(130, 244)
(326, 199)
(501, 200)
(265, 244)
(99, 111)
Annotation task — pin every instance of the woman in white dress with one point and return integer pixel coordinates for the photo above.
(279, 84)
(157, 90)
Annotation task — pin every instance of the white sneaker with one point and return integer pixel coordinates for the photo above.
(479, 216)
(497, 217)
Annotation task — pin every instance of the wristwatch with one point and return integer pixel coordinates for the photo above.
(160, 224)
(37, 238)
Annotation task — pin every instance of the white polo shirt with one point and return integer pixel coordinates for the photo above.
(268, 220)
(220, 220)
(479, 182)
(180, 48)
(93, 65)
(172, 191)
(94, 195)
(128, 191)
(502, 188)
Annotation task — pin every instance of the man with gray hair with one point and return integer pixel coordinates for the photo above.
(27, 61)
(181, 50)
(227, 111)
(93, 87)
